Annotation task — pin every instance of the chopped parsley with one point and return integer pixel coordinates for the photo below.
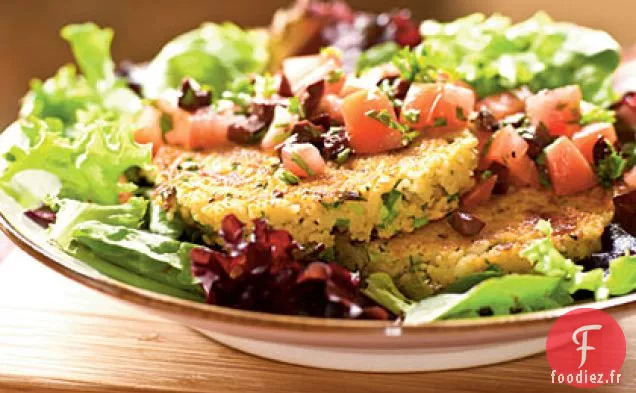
(598, 115)
(265, 86)
(459, 113)
(611, 167)
(335, 76)
(440, 122)
(412, 115)
(298, 160)
(384, 117)
(342, 224)
(390, 207)
(419, 222)
(296, 108)
(544, 179)
(343, 156)
(487, 174)
(165, 122)
(288, 178)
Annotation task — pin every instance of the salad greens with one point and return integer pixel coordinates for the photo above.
(494, 55)
(553, 281)
(71, 213)
(214, 55)
(75, 124)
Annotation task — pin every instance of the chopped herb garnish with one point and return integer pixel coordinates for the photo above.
(459, 113)
(335, 76)
(390, 207)
(487, 174)
(452, 198)
(629, 152)
(544, 178)
(289, 178)
(440, 122)
(342, 223)
(296, 108)
(420, 222)
(357, 208)
(165, 122)
(412, 115)
(597, 115)
(298, 160)
(332, 205)
(560, 106)
(343, 156)
(611, 166)
(384, 117)
(331, 51)
(242, 100)
(265, 86)
(235, 165)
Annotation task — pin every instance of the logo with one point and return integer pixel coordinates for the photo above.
(586, 348)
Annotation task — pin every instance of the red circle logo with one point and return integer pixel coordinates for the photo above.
(586, 348)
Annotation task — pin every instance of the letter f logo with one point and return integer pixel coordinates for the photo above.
(583, 344)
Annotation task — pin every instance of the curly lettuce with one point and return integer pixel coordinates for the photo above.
(494, 55)
(79, 128)
(214, 55)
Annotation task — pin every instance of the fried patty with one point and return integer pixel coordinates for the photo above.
(383, 194)
(436, 256)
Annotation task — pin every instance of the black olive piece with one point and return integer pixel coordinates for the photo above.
(465, 224)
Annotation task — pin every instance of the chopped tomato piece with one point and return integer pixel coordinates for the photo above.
(444, 106)
(502, 104)
(369, 79)
(302, 71)
(150, 131)
(559, 110)
(208, 129)
(523, 172)
(480, 194)
(569, 170)
(331, 104)
(507, 146)
(590, 134)
(279, 130)
(367, 134)
(302, 159)
(630, 177)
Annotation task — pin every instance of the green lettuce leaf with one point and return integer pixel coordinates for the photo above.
(89, 164)
(494, 55)
(496, 296)
(376, 55)
(70, 213)
(213, 54)
(160, 223)
(63, 95)
(91, 47)
(381, 289)
(546, 258)
(122, 275)
(150, 255)
(621, 278)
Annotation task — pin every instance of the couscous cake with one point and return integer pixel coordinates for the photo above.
(382, 194)
(437, 255)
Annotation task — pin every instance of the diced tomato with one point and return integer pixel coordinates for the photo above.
(444, 106)
(558, 109)
(150, 131)
(629, 177)
(208, 129)
(366, 134)
(302, 159)
(480, 194)
(279, 130)
(523, 172)
(302, 71)
(590, 134)
(506, 148)
(332, 105)
(569, 170)
(369, 79)
(502, 105)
